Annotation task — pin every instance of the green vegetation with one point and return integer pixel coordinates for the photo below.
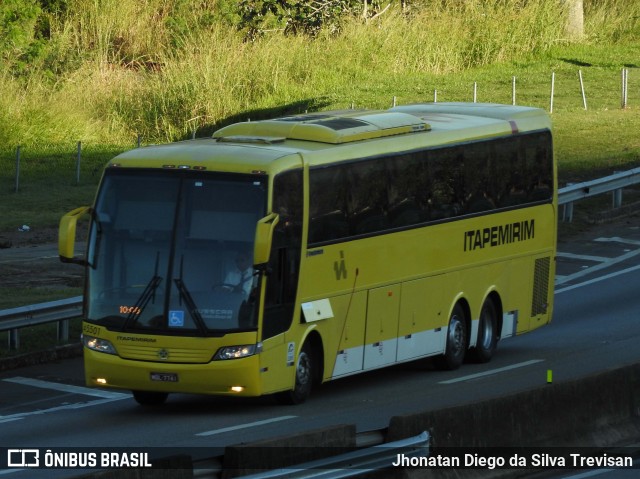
(113, 69)
(34, 295)
(105, 72)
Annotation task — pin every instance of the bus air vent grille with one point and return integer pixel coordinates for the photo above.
(540, 286)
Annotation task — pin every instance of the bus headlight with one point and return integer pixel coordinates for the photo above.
(97, 344)
(237, 352)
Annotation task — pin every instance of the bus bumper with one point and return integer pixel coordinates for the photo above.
(233, 377)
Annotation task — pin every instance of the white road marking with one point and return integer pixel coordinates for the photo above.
(64, 407)
(617, 239)
(584, 257)
(67, 388)
(243, 426)
(493, 371)
(598, 279)
(598, 267)
(106, 396)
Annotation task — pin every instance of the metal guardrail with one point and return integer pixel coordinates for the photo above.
(353, 463)
(63, 310)
(613, 183)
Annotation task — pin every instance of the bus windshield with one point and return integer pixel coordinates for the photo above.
(171, 251)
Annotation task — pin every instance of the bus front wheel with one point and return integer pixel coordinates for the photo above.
(456, 343)
(150, 398)
(487, 333)
(305, 368)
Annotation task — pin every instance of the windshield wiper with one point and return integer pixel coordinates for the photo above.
(188, 299)
(147, 295)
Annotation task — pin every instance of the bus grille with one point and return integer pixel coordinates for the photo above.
(165, 355)
(540, 286)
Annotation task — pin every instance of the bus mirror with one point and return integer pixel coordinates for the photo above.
(67, 235)
(264, 236)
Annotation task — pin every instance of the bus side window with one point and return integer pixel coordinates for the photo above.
(368, 201)
(540, 170)
(406, 175)
(445, 168)
(327, 205)
(405, 213)
(478, 182)
(510, 156)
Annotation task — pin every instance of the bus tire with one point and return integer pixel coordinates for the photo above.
(150, 398)
(487, 341)
(305, 372)
(456, 343)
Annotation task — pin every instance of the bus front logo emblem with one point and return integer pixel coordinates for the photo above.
(340, 267)
(163, 354)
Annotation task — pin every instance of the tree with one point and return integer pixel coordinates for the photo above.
(19, 41)
(300, 17)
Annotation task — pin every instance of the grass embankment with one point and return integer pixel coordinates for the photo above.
(127, 71)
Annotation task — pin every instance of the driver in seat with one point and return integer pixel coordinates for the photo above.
(240, 279)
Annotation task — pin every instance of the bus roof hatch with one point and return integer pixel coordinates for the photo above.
(328, 127)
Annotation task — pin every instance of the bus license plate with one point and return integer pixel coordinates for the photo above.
(165, 377)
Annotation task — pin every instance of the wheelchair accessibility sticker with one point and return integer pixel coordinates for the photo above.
(176, 319)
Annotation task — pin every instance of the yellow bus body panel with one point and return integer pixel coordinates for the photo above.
(400, 288)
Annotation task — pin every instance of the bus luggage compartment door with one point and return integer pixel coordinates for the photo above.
(381, 341)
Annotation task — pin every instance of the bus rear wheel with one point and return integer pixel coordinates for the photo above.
(487, 333)
(456, 343)
(305, 372)
(150, 398)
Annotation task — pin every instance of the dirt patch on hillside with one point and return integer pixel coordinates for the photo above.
(19, 238)
(29, 259)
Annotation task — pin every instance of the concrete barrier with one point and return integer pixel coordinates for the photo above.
(279, 452)
(596, 411)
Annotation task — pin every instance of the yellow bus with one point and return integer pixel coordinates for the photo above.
(280, 254)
